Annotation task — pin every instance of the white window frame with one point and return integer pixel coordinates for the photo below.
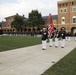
(75, 19)
(63, 22)
(63, 10)
(73, 9)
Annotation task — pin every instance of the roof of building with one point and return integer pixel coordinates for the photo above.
(14, 16)
(68, 0)
(53, 17)
(44, 17)
(10, 16)
(64, 1)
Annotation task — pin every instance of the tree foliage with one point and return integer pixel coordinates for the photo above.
(18, 22)
(35, 18)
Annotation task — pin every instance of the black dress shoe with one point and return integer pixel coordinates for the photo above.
(50, 46)
(56, 46)
(62, 47)
(43, 49)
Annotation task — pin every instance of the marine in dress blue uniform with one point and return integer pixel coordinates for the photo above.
(51, 38)
(44, 38)
(63, 34)
(66, 36)
(69, 36)
(56, 38)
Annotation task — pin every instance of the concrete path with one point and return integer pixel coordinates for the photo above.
(32, 60)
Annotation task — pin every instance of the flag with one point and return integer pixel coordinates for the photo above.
(50, 26)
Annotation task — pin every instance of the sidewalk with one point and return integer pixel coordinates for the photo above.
(32, 60)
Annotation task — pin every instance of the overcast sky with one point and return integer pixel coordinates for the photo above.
(11, 7)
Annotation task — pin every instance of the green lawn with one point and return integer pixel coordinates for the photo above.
(66, 66)
(13, 42)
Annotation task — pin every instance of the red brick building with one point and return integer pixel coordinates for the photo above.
(67, 15)
(66, 18)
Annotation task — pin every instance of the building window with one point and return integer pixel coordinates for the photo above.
(63, 10)
(66, 4)
(74, 9)
(74, 19)
(63, 4)
(63, 20)
(72, 3)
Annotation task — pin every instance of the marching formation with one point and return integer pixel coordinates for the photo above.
(55, 35)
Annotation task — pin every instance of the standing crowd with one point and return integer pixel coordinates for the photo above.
(55, 35)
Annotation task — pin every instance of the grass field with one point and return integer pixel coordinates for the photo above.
(13, 42)
(66, 66)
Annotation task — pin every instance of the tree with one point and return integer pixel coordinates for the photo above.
(35, 18)
(18, 22)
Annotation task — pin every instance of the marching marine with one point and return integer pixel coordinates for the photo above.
(51, 38)
(44, 38)
(69, 35)
(63, 34)
(56, 37)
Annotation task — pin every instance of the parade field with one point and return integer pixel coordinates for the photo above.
(33, 60)
(14, 42)
(66, 66)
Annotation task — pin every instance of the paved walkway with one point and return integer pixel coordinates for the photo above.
(32, 60)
